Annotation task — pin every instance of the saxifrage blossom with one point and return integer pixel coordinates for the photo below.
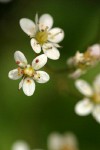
(29, 73)
(42, 35)
(91, 101)
(81, 62)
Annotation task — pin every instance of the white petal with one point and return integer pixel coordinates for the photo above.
(36, 19)
(76, 74)
(14, 74)
(27, 26)
(45, 21)
(35, 46)
(96, 113)
(95, 50)
(70, 141)
(36, 24)
(20, 59)
(21, 84)
(84, 107)
(39, 61)
(41, 77)
(56, 35)
(84, 87)
(97, 84)
(20, 145)
(54, 141)
(28, 86)
(56, 45)
(51, 51)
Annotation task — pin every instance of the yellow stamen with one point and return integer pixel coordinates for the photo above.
(29, 71)
(42, 36)
(96, 97)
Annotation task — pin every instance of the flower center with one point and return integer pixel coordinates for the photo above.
(86, 61)
(96, 97)
(42, 36)
(29, 71)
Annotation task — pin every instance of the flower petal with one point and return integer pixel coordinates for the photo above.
(14, 74)
(28, 26)
(41, 77)
(45, 21)
(20, 145)
(28, 86)
(51, 51)
(76, 74)
(39, 61)
(84, 87)
(95, 50)
(21, 84)
(35, 46)
(96, 113)
(84, 107)
(54, 141)
(36, 19)
(70, 141)
(20, 59)
(97, 84)
(56, 35)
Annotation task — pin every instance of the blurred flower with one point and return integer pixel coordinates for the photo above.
(82, 61)
(29, 73)
(20, 145)
(67, 141)
(5, 1)
(91, 101)
(43, 37)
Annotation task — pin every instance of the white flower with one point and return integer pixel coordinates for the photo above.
(29, 73)
(94, 50)
(20, 145)
(91, 101)
(67, 141)
(42, 36)
(81, 62)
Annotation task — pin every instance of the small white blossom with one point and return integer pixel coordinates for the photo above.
(91, 101)
(20, 145)
(29, 73)
(42, 36)
(82, 61)
(67, 141)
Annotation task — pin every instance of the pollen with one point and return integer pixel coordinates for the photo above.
(29, 71)
(42, 36)
(96, 97)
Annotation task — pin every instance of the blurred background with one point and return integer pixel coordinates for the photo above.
(51, 108)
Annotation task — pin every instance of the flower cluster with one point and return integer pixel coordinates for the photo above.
(55, 141)
(68, 141)
(45, 38)
(81, 62)
(42, 38)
